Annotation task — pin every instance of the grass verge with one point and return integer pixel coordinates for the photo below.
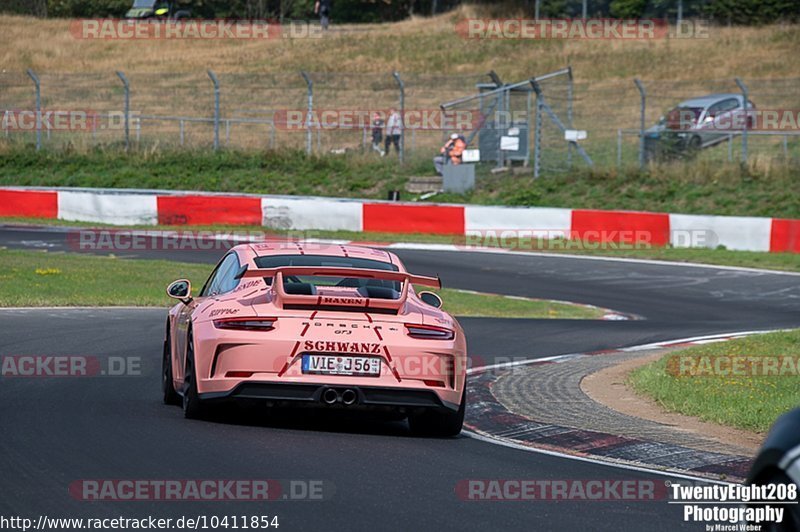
(38, 278)
(721, 257)
(739, 398)
(718, 188)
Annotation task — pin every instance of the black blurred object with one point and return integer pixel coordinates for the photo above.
(394, 195)
(778, 462)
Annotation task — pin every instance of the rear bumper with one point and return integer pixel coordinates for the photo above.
(311, 395)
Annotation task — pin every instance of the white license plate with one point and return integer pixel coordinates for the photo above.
(341, 365)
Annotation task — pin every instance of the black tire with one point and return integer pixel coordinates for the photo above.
(439, 424)
(695, 143)
(193, 407)
(170, 396)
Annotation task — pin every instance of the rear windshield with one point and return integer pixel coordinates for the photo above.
(276, 261)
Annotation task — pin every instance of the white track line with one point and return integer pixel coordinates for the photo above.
(557, 454)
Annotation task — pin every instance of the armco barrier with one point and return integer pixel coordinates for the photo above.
(785, 236)
(410, 218)
(149, 207)
(617, 226)
(34, 204)
(207, 210)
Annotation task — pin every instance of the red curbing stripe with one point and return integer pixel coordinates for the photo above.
(621, 226)
(785, 236)
(206, 210)
(32, 203)
(433, 219)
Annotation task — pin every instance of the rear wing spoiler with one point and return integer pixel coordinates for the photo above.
(340, 301)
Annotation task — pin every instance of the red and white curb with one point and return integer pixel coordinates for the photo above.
(494, 424)
(478, 222)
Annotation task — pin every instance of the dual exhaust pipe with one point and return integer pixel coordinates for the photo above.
(331, 396)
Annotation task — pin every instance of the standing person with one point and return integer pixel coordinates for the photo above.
(394, 128)
(377, 133)
(323, 9)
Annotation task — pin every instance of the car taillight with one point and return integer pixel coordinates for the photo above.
(246, 324)
(429, 332)
(239, 374)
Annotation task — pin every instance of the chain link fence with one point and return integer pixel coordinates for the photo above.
(537, 123)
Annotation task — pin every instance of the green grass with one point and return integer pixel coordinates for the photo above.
(722, 257)
(39, 278)
(702, 188)
(466, 303)
(746, 402)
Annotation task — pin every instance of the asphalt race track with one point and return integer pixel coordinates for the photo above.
(56, 431)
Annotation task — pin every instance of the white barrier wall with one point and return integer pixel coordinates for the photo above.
(733, 232)
(310, 213)
(116, 209)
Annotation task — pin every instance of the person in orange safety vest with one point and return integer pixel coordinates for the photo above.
(454, 149)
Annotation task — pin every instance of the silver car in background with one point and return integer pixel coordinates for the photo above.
(703, 122)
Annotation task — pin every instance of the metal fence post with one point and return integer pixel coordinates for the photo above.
(730, 148)
(569, 112)
(38, 87)
(537, 145)
(402, 88)
(310, 107)
(215, 80)
(127, 108)
(643, 95)
(746, 97)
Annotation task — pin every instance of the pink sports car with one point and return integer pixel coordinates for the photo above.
(327, 326)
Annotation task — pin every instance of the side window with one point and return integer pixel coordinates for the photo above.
(723, 106)
(222, 277)
(730, 105)
(714, 109)
(227, 279)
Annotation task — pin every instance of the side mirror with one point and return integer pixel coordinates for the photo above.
(431, 299)
(181, 290)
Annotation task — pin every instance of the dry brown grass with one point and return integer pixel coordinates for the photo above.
(258, 77)
(416, 45)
